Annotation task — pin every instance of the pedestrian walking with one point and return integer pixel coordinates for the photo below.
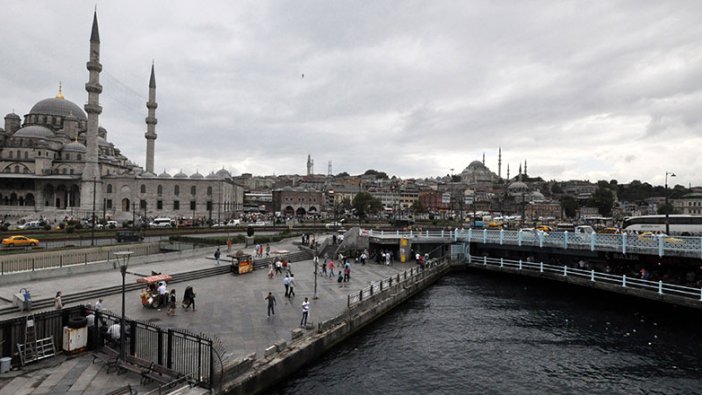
(270, 271)
(278, 267)
(172, 303)
(268, 250)
(292, 286)
(289, 267)
(340, 279)
(324, 268)
(98, 305)
(286, 283)
(331, 268)
(216, 255)
(305, 312)
(58, 303)
(347, 274)
(229, 245)
(189, 298)
(271, 303)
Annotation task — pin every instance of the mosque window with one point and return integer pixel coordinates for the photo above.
(209, 191)
(18, 153)
(176, 205)
(142, 204)
(159, 190)
(68, 156)
(193, 204)
(71, 171)
(143, 188)
(209, 205)
(63, 171)
(193, 190)
(176, 190)
(109, 188)
(26, 155)
(79, 156)
(108, 204)
(10, 153)
(159, 205)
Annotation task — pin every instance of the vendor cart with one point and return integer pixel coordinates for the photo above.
(149, 295)
(242, 263)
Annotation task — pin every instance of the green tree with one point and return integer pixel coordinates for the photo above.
(456, 178)
(569, 205)
(364, 203)
(418, 207)
(379, 175)
(666, 208)
(603, 199)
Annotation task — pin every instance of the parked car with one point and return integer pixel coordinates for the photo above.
(332, 225)
(128, 235)
(31, 225)
(19, 241)
(161, 223)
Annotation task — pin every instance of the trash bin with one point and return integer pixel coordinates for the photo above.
(5, 364)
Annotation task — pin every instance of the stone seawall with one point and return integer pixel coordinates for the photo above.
(249, 375)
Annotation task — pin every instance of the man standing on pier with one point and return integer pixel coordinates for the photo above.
(305, 312)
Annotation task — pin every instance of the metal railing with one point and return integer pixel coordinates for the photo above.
(378, 287)
(623, 281)
(660, 245)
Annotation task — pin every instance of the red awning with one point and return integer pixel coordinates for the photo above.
(155, 279)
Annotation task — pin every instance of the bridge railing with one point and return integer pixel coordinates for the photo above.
(623, 280)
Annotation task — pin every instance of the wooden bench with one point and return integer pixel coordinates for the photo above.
(108, 356)
(149, 370)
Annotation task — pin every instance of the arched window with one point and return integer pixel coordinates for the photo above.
(26, 155)
(17, 169)
(159, 190)
(193, 190)
(109, 188)
(143, 188)
(176, 190)
(209, 191)
(68, 156)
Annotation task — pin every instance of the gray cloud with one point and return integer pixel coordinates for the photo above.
(579, 89)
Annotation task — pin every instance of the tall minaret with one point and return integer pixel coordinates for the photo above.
(483, 158)
(499, 163)
(507, 171)
(525, 169)
(91, 185)
(151, 123)
(310, 165)
(520, 172)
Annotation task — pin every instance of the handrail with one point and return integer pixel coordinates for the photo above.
(658, 287)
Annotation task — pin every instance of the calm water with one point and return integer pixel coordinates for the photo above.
(482, 333)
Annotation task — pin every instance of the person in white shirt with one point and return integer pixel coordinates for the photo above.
(163, 294)
(113, 332)
(305, 312)
(98, 305)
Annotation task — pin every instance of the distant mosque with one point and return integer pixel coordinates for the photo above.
(58, 163)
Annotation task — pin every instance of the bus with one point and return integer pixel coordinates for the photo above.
(680, 225)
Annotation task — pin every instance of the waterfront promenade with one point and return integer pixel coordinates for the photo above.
(231, 308)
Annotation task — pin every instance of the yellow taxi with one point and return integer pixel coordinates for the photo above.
(19, 241)
(650, 236)
(544, 228)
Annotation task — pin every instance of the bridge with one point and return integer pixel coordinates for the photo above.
(687, 249)
(660, 245)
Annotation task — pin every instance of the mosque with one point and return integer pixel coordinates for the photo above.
(58, 163)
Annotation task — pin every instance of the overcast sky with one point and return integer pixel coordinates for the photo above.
(581, 90)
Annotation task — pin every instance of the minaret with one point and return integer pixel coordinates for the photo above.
(151, 123)
(483, 158)
(310, 165)
(507, 171)
(525, 169)
(520, 172)
(499, 163)
(90, 192)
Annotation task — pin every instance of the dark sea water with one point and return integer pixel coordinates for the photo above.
(492, 334)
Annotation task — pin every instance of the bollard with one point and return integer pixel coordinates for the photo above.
(624, 280)
(660, 287)
(592, 275)
(565, 271)
(371, 290)
(485, 260)
(520, 264)
(360, 296)
(502, 262)
(541, 267)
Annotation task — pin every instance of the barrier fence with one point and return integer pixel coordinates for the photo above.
(623, 281)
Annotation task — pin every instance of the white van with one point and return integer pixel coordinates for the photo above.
(161, 223)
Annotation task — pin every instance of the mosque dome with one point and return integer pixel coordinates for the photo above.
(517, 187)
(74, 147)
(164, 175)
(147, 174)
(224, 173)
(212, 175)
(101, 142)
(475, 165)
(180, 174)
(12, 115)
(102, 132)
(197, 175)
(34, 131)
(58, 106)
(537, 196)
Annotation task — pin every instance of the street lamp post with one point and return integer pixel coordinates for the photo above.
(316, 263)
(122, 258)
(667, 209)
